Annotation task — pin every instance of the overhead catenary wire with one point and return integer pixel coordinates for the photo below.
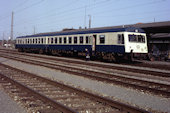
(55, 27)
(78, 8)
(16, 10)
(62, 14)
(115, 16)
(32, 5)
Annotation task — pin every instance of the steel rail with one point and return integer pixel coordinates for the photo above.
(106, 76)
(160, 74)
(53, 103)
(94, 75)
(122, 107)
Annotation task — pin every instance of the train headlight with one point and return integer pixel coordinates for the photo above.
(145, 48)
(138, 46)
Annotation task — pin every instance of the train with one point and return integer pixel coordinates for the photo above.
(102, 43)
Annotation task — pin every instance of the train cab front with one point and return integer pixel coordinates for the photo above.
(136, 45)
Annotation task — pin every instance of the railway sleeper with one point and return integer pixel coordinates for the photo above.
(112, 103)
(28, 90)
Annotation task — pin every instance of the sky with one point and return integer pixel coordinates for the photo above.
(39, 16)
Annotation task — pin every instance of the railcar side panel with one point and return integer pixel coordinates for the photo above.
(112, 41)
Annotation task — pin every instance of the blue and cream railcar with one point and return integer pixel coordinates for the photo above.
(103, 42)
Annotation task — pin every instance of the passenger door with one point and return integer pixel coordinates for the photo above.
(94, 43)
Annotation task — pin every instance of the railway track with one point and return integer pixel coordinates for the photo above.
(141, 69)
(43, 95)
(153, 87)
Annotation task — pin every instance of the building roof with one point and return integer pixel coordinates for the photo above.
(154, 27)
(149, 28)
(161, 35)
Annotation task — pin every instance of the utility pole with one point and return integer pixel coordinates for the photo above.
(3, 40)
(12, 22)
(89, 21)
(85, 18)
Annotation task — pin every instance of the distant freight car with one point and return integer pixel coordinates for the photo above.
(106, 43)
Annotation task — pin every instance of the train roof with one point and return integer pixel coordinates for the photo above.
(86, 31)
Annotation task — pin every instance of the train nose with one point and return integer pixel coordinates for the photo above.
(138, 46)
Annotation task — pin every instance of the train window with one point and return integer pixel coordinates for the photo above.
(87, 39)
(65, 40)
(75, 40)
(36, 40)
(39, 40)
(132, 38)
(102, 39)
(42, 41)
(81, 39)
(60, 40)
(33, 41)
(120, 38)
(28, 41)
(70, 40)
(139, 38)
(51, 40)
(56, 40)
(136, 38)
(143, 38)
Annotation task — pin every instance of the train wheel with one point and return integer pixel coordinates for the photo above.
(41, 51)
(20, 50)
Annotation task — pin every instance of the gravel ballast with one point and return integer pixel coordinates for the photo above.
(127, 95)
(7, 105)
